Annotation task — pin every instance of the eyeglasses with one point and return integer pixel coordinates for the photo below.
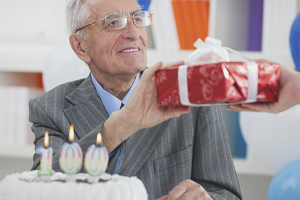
(119, 21)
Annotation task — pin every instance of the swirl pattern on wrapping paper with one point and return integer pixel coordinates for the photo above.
(240, 71)
(172, 99)
(161, 77)
(211, 79)
(190, 72)
(207, 90)
(273, 81)
(265, 68)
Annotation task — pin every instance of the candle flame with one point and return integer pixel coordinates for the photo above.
(71, 134)
(46, 140)
(99, 138)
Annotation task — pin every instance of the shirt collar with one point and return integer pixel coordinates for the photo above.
(110, 102)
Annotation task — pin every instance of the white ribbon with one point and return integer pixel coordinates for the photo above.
(214, 52)
(252, 81)
(183, 86)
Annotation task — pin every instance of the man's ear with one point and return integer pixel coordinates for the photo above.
(76, 44)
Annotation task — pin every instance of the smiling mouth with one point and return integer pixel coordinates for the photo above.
(129, 50)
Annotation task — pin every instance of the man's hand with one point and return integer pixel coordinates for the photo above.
(141, 110)
(289, 94)
(187, 190)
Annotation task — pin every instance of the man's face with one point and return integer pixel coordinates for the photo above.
(106, 46)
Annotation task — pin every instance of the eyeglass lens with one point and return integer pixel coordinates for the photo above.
(118, 21)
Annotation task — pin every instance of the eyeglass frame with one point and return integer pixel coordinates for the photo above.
(151, 14)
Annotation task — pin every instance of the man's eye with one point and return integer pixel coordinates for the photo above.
(113, 24)
(138, 21)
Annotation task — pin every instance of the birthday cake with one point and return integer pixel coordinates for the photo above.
(109, 187)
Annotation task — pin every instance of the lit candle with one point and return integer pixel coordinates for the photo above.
(46, 160)
(70, 157)
(96, 160)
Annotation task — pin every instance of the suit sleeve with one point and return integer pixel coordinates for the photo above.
(213, 166)
(42, 123)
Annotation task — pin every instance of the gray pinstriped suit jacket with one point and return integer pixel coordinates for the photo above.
(194, 146)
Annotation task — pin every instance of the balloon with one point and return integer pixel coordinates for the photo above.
(286, 183)
(295, 41)
(144, 4)
(63, 65)
(273, 138)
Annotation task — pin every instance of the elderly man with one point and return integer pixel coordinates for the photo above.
(178, 152)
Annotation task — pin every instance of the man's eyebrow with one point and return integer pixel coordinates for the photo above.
(132, 13)
(139, 10)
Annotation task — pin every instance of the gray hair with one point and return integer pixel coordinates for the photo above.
(77, 13)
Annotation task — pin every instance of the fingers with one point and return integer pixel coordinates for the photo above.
(188, 190)
(253, 107)
(148, 74)
(245, 107)
(151, 70)
(179, 110)
(173, 64)
(163, 198)
(172, 111)
(160, 65)
(178, 190)
(263, 60)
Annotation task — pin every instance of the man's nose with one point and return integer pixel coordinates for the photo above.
(131, 30)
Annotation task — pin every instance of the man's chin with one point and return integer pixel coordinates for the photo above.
(135, 67)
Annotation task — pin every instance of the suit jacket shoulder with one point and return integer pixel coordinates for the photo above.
(58, 92)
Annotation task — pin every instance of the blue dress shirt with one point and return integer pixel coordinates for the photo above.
(112, 104)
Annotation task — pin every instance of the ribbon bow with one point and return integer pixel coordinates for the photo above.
(210, 51)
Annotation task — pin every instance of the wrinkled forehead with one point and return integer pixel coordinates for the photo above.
(101, 8)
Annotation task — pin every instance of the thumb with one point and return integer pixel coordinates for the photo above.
(163, 198)
(148, 73)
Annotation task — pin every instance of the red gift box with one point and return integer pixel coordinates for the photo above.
(218, 83)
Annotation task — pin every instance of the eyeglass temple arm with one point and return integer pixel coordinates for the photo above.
(87, 25)
(151, 14)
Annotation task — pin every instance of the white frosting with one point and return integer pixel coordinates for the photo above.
(24, 186)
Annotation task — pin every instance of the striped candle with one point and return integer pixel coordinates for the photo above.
(96, 160)
(45, 171)
(70, 157)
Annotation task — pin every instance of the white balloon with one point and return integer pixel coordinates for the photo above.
(273, 138)
(63, 65)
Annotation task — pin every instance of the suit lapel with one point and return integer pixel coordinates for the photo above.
(140, 146)
(88, 110)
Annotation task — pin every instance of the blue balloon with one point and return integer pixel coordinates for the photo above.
(286, 183)
(144, 4)
(295, 41)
